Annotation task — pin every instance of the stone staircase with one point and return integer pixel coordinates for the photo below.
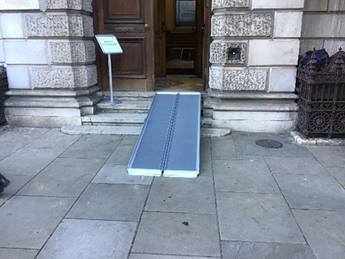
(126, 117)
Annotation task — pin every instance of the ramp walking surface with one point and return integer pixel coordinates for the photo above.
(169, 143)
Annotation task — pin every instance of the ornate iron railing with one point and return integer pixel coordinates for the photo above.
(3, 89)
(321, 90)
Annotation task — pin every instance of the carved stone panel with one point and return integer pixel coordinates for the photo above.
(228, 52)
(64, 77)
(74, 51)
(57, 25)
(237, 79)
(230, 4)
(242, 25)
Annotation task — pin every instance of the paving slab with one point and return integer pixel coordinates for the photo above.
(245, 144)
(250, 175)
(205, 157)
(129, 140)
(324, 230)
(17, 182)
(205, 149)
(339, 174)
(23, 135)
(121, 155)
(27, 222)
(93, 146)
(150, 256)
(88, 239)
(259, 250)
(295, 165)
(117, 174)
(182, 195)
(11, 253)
(177, 234)
(111, 202)
(65, 177)
(256, 217)
(223, 148)
(329, 156)
(54, 138)
(311, 192)
(22, 162)
(11, 146)
(205, 168)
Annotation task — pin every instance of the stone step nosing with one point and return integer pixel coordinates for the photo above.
(132, 130)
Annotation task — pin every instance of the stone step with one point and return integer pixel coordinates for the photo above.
(138, 106)
(131, 130)
(125, 95)
(114, 119)
(102, 130)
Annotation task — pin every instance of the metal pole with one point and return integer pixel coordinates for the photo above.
(110, 80)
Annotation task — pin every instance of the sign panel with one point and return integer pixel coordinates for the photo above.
(109, 44)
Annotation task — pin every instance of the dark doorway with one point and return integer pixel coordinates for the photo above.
(181, 38)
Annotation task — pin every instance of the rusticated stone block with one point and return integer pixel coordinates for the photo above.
(25, 52)
(63, 77)
(323, 25)
(242, 25)
(336, 5)
(58, 25)
(285, 29)
(278, 4)
(228, 52)
(74, 51)
(237, 79)
(282, 79)
(315, 5)
(19, 5)
(11, 25)
(230, 4)
(273, 52)
(85, 5)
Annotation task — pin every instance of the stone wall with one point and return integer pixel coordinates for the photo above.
(49, 51)
(253, 59)
(323, 25)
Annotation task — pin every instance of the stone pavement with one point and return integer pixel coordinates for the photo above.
(71, 197)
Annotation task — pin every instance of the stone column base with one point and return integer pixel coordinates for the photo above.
(251, 112)
(49, 108)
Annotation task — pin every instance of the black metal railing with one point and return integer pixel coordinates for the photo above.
(321, 90)
(3, 89)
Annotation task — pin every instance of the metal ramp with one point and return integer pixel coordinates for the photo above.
(169, 142)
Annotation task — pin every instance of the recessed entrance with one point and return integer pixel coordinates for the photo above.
(165, 43)
(179, 40)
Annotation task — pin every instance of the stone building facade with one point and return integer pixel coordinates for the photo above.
(49, 50)
(255, 92)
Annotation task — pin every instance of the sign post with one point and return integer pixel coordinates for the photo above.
(109, 45)
(110, 73)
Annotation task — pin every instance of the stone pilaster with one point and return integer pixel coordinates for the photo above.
(50, 54)
(253, 55)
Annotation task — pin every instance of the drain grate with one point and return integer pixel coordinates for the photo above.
(269, 143)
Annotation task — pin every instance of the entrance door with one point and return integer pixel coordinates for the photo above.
(160, 38)
(131, 21)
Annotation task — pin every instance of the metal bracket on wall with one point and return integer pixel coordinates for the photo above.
(169, 143)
